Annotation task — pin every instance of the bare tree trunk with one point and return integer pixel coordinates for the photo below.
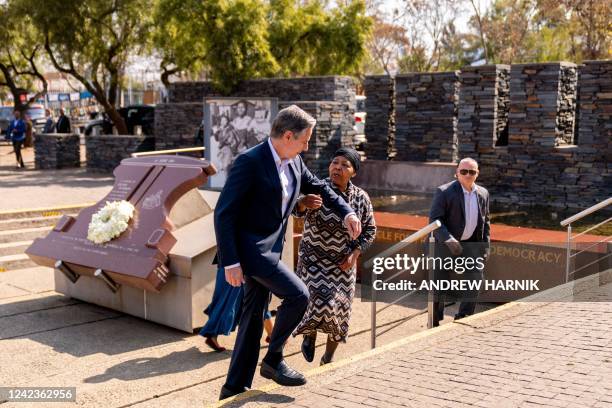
(481, 32)
(92, 86)
(165, 76)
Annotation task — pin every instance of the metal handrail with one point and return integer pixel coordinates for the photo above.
(422, 233)
(586, 212)
(593, 227)
(593, 245)
(568, 223)
(172, 151)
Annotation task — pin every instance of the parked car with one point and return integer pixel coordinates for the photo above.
(133, 115)
(37, 115)
(360, 118)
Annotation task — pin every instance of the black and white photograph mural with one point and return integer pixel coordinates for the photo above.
(231, 126)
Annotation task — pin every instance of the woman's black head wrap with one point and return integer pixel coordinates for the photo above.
(351, 155)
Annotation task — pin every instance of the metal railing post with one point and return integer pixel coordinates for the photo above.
(373, 315)
(569, 251)
(423, 232)
(432, 315)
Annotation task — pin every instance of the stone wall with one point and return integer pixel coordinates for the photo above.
(482, 114)
(176, 122)
(536, 145)
(56, 151)
(566, 112)
(537, 98)
(426, 116)
(324, 88)
(594, 156)
(105, 152)
(332, 131)
(380, 119)
(176, 125)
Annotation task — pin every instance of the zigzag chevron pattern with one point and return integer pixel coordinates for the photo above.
(324, 245)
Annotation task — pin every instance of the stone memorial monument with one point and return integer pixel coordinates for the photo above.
(139, 255)
(160, 268)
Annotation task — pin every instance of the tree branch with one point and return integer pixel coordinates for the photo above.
(481, 32)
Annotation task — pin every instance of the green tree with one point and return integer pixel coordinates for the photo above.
(91, 41)
(228, 39)
(233, 40)
(574, 30)
(311, 39)
(177, 37)
(20, 57)
(507, 27)
(545, 30)
(237, 36)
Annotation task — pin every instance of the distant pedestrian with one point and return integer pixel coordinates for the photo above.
(50, 123)
(16, 133)
(63, 123)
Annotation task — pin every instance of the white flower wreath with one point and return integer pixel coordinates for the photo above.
(110, 221)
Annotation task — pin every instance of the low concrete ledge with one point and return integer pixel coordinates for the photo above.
(409, 177)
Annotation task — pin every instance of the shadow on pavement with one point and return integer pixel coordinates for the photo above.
(177, 362)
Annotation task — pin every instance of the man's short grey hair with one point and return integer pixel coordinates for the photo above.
(468, 160)
(292, 119)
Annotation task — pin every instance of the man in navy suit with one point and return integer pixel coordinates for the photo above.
(250, 222)
(462, 207)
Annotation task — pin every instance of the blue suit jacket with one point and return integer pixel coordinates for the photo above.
(249, 224)
(20, 127)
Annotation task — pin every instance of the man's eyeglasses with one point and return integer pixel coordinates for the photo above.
(465, 172)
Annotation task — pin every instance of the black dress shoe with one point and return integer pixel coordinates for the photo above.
(227, 392)
(459, 316)
(283, 374)
(308, 348)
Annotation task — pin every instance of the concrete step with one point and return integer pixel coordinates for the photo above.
(29, 222)
(13, 248)
(19, 287)
(14, 262)
(42, 212)
(23, 234)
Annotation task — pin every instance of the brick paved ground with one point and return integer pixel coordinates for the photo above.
(530, 354)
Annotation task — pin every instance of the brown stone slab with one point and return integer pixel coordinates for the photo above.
(138, 257)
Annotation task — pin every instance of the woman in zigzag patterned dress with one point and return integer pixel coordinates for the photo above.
(327, 257)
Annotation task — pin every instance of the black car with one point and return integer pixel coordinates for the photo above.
(133, 115)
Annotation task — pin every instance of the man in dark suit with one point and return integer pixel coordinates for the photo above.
(250, 222)
(462, 207)
(63, 123)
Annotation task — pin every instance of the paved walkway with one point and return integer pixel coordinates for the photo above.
(31, 188)
(555, 354)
